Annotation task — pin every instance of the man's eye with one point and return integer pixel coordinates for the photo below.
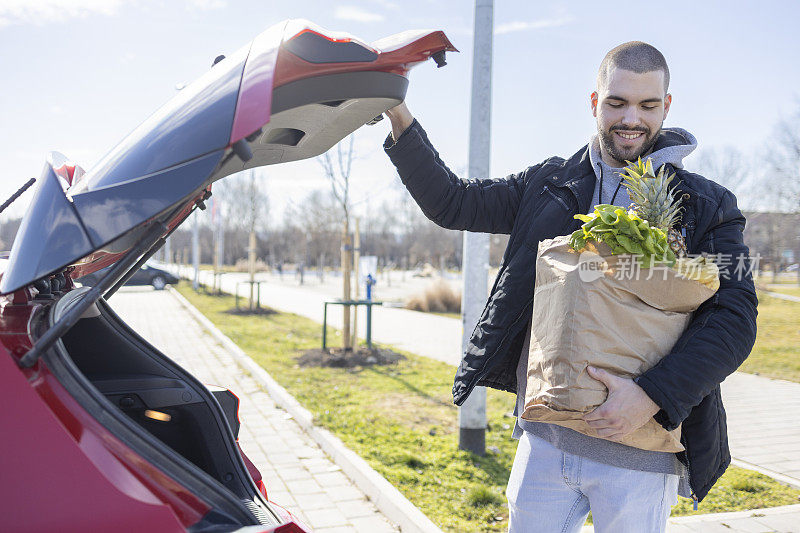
(614, 104)
(649, 107)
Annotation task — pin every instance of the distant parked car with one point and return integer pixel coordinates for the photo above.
(147, 275)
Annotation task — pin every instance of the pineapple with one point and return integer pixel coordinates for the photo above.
(653, 200)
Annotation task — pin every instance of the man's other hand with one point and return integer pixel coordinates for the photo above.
(401, 118)
(626, 409)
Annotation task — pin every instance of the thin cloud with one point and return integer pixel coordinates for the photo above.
(520, 25)
(388, 4)
(205, 5)
(357, 14)
(40, 12)
(13, 12)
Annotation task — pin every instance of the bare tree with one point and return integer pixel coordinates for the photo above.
(783, 164)
(245, 208)
(338, 173)
(315, 221)
(728, 166)
(784, 169)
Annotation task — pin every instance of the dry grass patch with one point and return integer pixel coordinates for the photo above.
(438, 297)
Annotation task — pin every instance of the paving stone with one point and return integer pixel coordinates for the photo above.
(317, 500)
(708, 527)
(678, 528)
(746, 525)
(331, 479)
(291, 474)
(318, 465)
(304, 486)
(282, 498)
(374, 524)
(283, 459)
(357, 508)
(780, 523)
(326, 517)
(345, 493)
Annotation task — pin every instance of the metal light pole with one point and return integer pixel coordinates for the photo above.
(167, 252)
(472, 414)
(196, 251)
(220, 244)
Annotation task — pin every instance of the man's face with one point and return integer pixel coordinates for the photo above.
(630, 110)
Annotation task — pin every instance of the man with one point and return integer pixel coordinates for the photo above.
(559, 474)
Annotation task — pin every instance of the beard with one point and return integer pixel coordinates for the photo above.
(622, 154)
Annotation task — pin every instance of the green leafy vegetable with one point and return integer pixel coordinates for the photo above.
(626, 233)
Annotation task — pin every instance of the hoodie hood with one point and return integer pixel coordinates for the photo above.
(671, 147)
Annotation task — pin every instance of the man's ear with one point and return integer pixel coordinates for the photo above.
(667, 103)
(593, 99)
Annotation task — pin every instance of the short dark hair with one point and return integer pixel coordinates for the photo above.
(635, 56)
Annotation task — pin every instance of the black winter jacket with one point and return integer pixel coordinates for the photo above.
(539, 203)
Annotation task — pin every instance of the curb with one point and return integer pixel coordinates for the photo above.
(777, 476)
(780, 296)
(383, 494)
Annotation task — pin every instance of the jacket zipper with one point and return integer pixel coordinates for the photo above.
(554, 195)
(695, 502)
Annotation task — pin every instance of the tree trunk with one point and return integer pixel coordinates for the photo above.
(356, 257)
(251, 265)
(346, 251)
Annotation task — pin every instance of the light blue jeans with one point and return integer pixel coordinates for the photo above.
(551, 491)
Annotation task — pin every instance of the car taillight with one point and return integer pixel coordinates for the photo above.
(262, 489)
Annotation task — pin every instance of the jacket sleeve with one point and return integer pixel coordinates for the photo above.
(722, 330)
(480, 205)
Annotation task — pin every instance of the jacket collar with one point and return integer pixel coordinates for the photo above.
(578, 176)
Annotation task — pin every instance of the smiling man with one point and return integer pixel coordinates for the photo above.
(559, 474)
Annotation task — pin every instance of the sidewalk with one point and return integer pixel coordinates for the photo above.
(296, 472)
(435, 336)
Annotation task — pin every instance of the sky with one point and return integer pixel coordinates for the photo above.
(79, 75)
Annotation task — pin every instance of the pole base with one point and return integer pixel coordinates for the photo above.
(472, 440)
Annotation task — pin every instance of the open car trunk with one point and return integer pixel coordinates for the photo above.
(122, 380)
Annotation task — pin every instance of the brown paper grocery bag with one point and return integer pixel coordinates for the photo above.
(594, 308)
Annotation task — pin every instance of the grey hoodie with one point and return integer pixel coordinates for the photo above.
(611, 178)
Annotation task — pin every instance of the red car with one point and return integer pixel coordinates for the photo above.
(101, 431)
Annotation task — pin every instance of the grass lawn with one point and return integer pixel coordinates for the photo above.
(402, 421)
(776, 353)
(457, 316)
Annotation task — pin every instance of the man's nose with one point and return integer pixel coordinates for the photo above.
(631, 116)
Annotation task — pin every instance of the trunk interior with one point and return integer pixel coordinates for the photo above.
(164, 399)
